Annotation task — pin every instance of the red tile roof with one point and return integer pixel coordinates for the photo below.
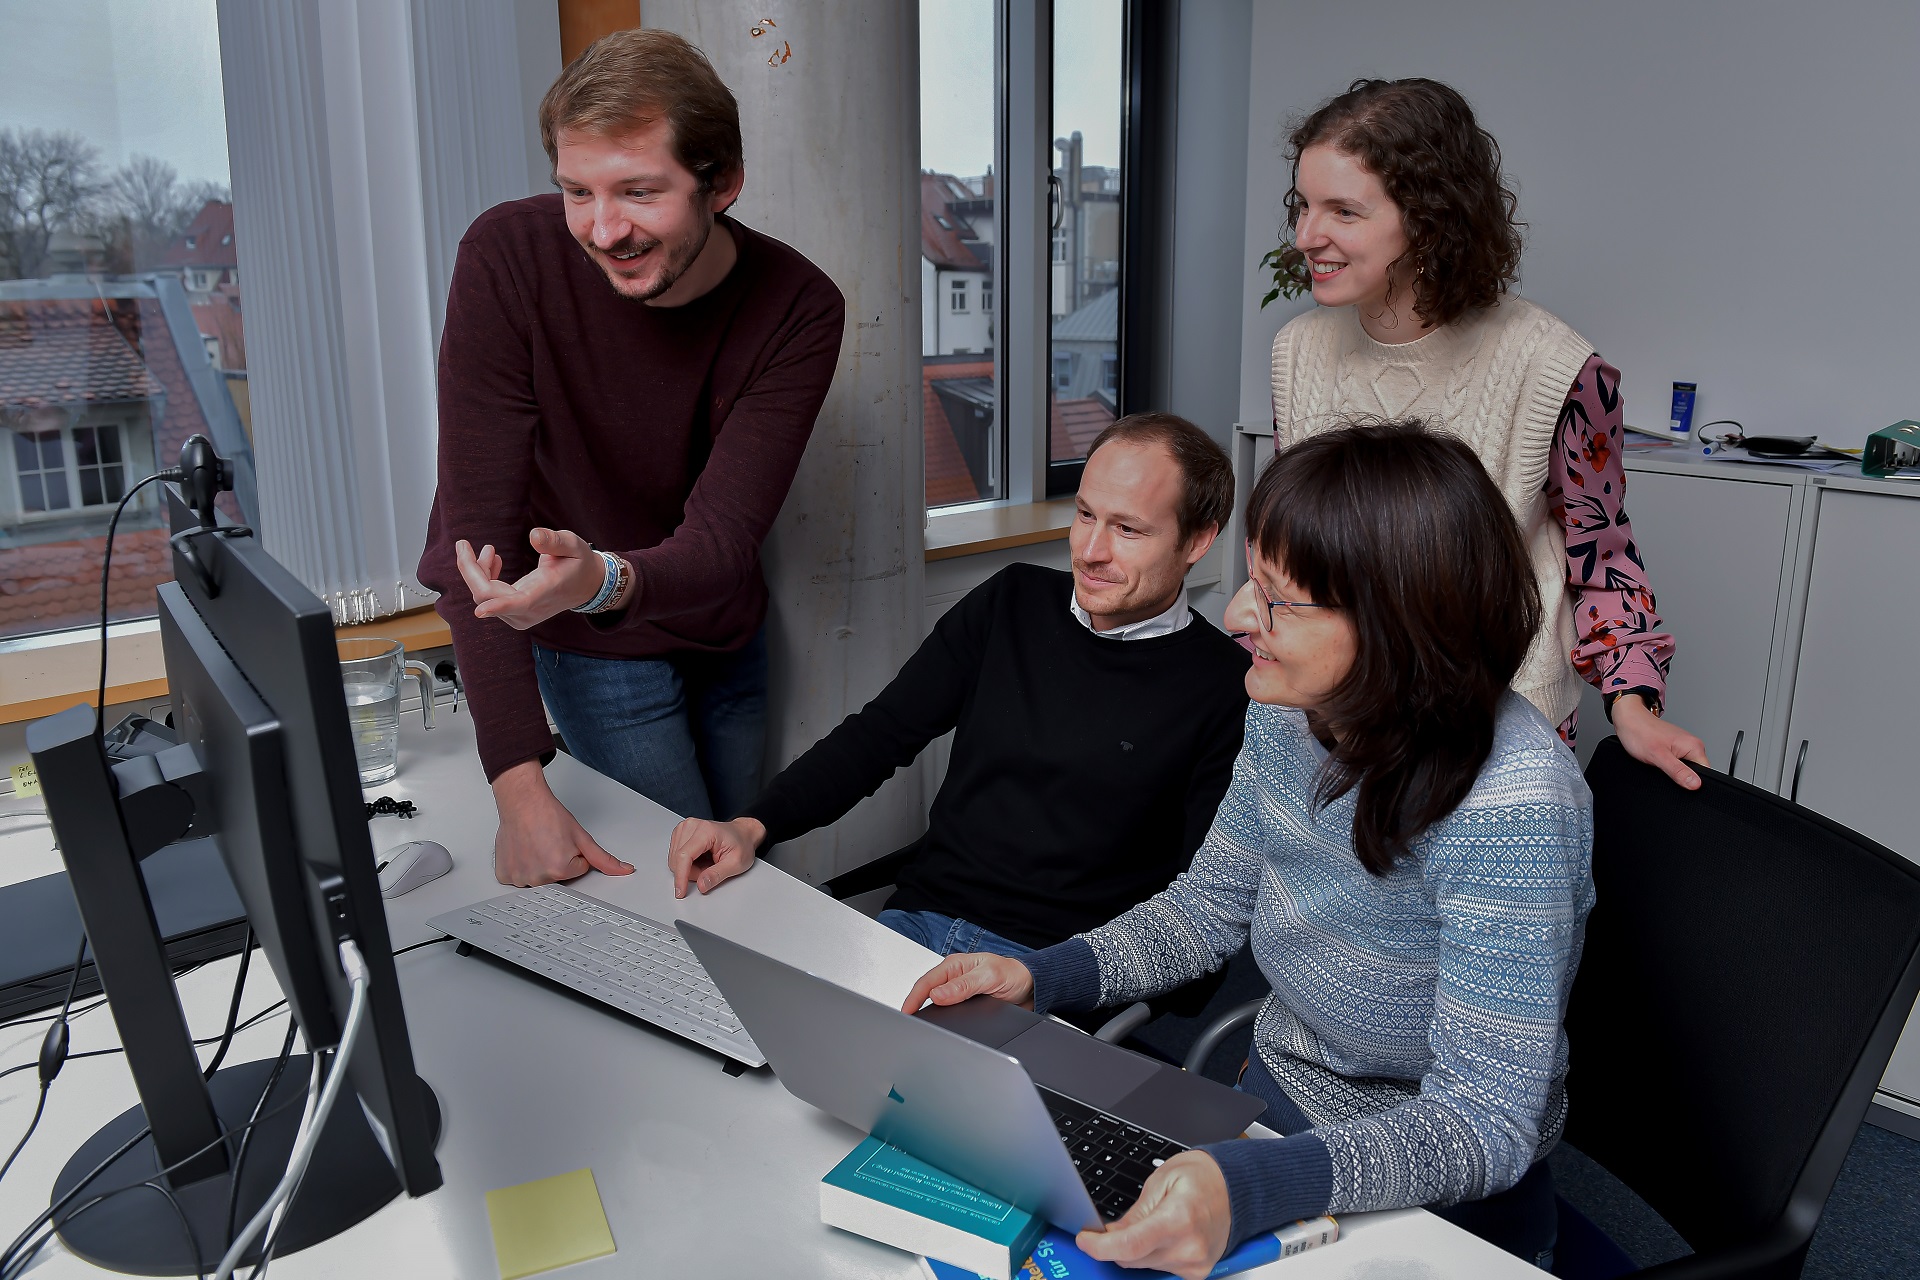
(49, 586)
(56, 585)
(942, 246)
(220, 318)
(948, 479)
(69, 352)
(207, 241)
(1073, 426)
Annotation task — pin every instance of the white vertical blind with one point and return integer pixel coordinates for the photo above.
(364, 136)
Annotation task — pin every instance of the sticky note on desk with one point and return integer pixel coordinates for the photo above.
(553, 1222)
(26, 781)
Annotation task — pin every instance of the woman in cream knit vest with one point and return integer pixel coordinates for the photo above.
(1402, 228)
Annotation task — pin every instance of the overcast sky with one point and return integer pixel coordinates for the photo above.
(130, 76)
(956, 81)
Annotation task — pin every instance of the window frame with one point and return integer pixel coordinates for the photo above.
(1024, 373)
(70, 469)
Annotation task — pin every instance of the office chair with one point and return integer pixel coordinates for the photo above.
(1747, 971)
(1749, 966)
(1114, 1028)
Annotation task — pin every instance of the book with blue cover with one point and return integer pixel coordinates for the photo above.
(881, 1192)
(1057, 1257)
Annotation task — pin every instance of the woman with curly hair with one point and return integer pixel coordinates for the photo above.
(1399, 222)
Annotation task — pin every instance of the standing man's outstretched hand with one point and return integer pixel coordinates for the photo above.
(569, 574)
(539, 841)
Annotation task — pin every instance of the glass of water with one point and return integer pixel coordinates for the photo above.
(371, 670)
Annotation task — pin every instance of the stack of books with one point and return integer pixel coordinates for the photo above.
(962, 1233)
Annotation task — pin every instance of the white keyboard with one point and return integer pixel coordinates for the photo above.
(630, 962)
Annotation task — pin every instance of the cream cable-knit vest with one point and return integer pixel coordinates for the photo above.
(1496, 380)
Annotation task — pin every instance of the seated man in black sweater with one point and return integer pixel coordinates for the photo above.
(1097, 719)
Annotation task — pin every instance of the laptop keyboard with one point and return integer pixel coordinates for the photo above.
(1114, 1158)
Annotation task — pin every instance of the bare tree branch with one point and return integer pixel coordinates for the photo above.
(49, 182)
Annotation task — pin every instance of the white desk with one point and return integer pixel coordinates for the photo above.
(701, 1173)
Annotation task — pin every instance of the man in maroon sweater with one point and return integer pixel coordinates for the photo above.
(627, 381)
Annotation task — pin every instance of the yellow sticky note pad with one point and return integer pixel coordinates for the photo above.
(26, 782)
(553, 1222)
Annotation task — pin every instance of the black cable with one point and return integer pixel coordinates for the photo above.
(246, 1136)
(53, 1056)
(89, 1007)
(193, 1241)
(244, 1131)
(53, 1047)
(233, 1008)
(39, 1108)
(105, 1053)
(46, 1216)
(8, 1269)
(106, 570)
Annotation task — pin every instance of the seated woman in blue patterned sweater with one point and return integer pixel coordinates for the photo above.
(1408, 845)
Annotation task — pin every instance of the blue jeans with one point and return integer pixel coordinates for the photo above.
(686, 731)
(948, 936)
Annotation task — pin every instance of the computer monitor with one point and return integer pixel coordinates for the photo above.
(265, 768)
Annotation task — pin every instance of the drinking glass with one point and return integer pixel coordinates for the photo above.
(371, 670)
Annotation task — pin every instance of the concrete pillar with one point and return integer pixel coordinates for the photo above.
(829, 110)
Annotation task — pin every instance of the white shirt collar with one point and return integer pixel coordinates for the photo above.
(1177, 616)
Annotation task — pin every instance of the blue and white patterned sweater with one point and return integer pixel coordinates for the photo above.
(1415, 1020)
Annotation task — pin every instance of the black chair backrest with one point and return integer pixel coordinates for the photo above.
(1748, 967)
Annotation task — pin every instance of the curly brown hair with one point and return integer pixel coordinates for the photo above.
(1441, 169)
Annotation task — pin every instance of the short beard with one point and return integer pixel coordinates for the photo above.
(669, 275)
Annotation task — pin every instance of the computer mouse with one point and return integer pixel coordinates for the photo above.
(406, 867)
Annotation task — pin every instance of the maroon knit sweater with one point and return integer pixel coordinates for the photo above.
(667, 434)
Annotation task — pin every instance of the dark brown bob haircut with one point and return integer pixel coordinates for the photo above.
(628, 79)
(1206, 490)
(1442, 169)
(1403, 530)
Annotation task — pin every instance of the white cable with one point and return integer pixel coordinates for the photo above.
(356, 970)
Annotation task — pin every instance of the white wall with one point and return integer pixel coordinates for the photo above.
(1722, 191)
(1210, 185)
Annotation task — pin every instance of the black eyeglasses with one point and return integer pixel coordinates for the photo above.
(1266, 615)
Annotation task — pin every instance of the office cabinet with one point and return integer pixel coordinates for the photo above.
(1856, 701)
(1718, 553)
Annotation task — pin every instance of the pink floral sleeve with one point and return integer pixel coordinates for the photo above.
(1621, 647)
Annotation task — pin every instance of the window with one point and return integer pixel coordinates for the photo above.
(60, 470)
(1050, 246)
(963, 426)
(1089, 123)
(107, 297)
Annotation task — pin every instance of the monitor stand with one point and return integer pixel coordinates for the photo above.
(136, 1230)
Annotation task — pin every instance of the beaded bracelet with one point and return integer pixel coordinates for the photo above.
(609, 587)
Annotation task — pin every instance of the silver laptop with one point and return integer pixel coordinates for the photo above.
(1022, 1107)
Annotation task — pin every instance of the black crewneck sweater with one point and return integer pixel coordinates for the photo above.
(1084, 773)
